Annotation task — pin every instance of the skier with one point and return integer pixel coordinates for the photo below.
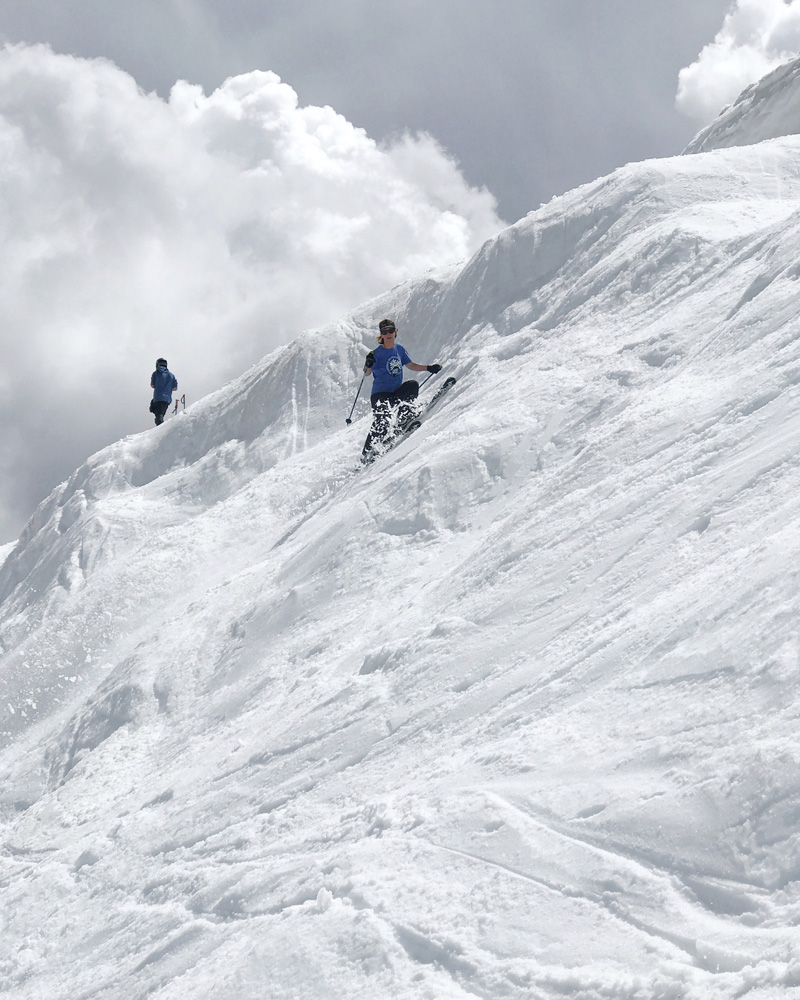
(389, 391)
(163, 383)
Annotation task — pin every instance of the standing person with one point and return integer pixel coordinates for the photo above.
(163, 383)
(389, 391)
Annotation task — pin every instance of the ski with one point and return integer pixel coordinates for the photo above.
(370, 454)
(417, 421)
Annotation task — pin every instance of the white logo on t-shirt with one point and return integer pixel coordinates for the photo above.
(394, 366)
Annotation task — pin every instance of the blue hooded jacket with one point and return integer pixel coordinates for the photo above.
(164, 384)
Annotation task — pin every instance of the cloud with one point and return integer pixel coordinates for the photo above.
(205, 228)
(755, 38)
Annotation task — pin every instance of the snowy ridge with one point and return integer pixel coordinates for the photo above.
(768, 109)
(510, 713)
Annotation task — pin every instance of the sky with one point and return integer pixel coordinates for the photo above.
(228, 175)
(512, 712)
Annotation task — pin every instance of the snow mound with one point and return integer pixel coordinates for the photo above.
(512, 712)
(766, 110)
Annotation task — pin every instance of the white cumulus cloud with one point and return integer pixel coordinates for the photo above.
(207, 228)
(755, 38)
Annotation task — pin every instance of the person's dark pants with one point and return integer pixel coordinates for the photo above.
(383, 406)
(158, 408)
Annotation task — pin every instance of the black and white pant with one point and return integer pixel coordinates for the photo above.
(383, 406)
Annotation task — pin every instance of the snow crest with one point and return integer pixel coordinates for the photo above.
(768, 109)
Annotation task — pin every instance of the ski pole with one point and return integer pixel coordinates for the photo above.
(348, 420)
(427, 379)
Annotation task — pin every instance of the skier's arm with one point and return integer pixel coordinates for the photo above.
(423, 368)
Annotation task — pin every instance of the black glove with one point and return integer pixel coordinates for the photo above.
(433, 369)
(370, 360)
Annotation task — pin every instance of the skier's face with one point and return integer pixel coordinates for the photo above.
(388, 338)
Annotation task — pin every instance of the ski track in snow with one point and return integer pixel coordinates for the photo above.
(511, 712)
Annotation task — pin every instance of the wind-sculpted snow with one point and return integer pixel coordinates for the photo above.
(513, 712)
(768, 109)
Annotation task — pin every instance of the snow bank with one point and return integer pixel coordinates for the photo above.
(513, 712)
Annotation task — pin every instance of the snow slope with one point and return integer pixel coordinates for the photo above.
(511, 713)
(765, 110)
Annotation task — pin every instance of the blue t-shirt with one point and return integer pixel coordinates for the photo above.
(387, 371)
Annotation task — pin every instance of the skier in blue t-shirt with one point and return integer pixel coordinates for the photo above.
(389, 391)
(163, 383)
